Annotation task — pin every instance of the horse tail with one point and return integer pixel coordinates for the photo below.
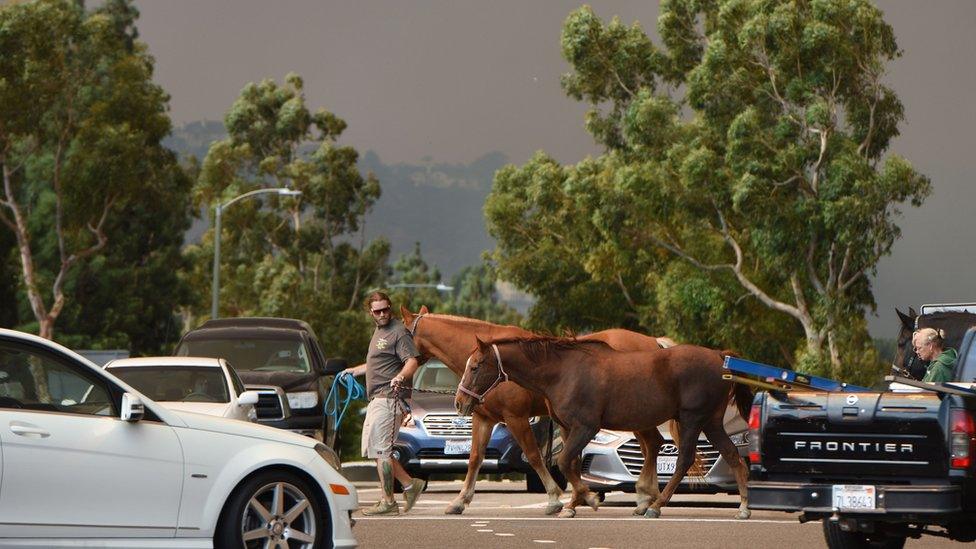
(742, 394)
(697, 471)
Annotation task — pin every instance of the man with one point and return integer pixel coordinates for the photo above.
(390, 364)
(928, 343)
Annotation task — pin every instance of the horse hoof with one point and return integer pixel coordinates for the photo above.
(567, 513)
(652, 513)
(554, 508)
(455, 509)
(639, 510)
(743, 514)
(593, 501)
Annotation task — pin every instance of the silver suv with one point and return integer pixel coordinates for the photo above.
(612, 461)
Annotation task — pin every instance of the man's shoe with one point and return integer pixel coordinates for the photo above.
(410, 496)
(382, 508)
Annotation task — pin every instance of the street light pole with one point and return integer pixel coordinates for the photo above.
(218, 211)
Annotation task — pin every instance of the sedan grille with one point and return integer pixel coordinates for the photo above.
(269, 406)
(447, 425)
(630, 454)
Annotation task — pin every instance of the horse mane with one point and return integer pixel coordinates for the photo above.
(540, 347)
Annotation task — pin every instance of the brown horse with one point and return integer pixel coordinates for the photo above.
(452, 339)
(590, 386)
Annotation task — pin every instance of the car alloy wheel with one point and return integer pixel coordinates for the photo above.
(278, 514)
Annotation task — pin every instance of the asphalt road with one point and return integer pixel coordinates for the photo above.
(502, 515)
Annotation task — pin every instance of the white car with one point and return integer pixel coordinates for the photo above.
(86, 460)
(191, 384)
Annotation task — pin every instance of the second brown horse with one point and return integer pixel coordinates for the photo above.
(589, 386)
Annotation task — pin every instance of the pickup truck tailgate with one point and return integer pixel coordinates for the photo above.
(854, 435)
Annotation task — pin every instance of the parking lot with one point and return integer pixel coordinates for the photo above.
(504, 515)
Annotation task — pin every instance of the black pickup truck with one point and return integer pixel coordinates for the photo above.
(875, 467)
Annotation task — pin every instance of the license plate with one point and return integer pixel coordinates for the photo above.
(854, 496)
(454, 447)
(665, 465)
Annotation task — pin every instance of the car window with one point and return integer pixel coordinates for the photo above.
(969, 365)
(176, 383)
(35, 381)
(435, 376)
(263, 355)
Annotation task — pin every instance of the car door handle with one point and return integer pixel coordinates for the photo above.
(29, 431)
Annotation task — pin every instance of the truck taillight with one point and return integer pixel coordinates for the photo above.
(961, 439)
(754, 422)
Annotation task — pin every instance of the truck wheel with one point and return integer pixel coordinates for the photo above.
(839, 539)
(250, 519)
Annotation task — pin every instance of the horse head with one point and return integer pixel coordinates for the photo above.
(482, 373)
(905, 352)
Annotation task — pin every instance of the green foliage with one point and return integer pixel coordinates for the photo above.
(96, 206)
(289, 256)
(745, 194)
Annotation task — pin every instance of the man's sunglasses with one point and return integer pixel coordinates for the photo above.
(380, 311)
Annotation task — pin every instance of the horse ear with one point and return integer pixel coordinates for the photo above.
(905, 319)
(405, 314)
(912, 313)
(423, 310)
(482, 345)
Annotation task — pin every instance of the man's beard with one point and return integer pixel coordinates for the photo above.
(380, 322)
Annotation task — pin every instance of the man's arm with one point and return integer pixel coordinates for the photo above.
(356, 371)
(406, 374)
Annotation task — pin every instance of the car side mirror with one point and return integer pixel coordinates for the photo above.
(132, 407)
(335, 365)
(248, 397)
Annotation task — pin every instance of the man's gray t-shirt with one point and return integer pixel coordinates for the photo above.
(390, 347)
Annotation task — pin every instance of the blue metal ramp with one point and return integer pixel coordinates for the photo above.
(781, 379)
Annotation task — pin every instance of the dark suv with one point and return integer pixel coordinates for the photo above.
(282, 360)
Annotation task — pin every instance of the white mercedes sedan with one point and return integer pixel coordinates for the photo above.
(191, 384)
(86, 460)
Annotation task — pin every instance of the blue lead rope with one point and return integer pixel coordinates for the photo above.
(353, 391)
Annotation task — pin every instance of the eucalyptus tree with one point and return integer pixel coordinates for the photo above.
(752, 146)
(81, 124)
(303, 256)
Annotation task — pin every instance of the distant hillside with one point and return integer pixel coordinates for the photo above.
(438, 205)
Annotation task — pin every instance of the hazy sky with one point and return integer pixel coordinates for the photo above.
(454, 80)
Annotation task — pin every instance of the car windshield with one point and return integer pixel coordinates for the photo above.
(176, 383)
(435, 376)
(259, 355)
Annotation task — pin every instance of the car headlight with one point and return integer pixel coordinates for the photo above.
(605, 437)
(304, 399)
(329, 455)
(740, 439)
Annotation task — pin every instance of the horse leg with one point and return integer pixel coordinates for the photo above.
(646, 486)
(577, 437)
(720, 439)
(480, 433)
(690, 428)
(520, 429)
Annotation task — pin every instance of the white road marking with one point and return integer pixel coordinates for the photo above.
(486, 530)
(543, 541)
(610, 519)
(503, 535)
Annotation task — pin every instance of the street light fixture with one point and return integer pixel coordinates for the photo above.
(439, 286)
(218, 209)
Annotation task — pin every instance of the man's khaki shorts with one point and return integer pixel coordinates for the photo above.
(378, 428)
